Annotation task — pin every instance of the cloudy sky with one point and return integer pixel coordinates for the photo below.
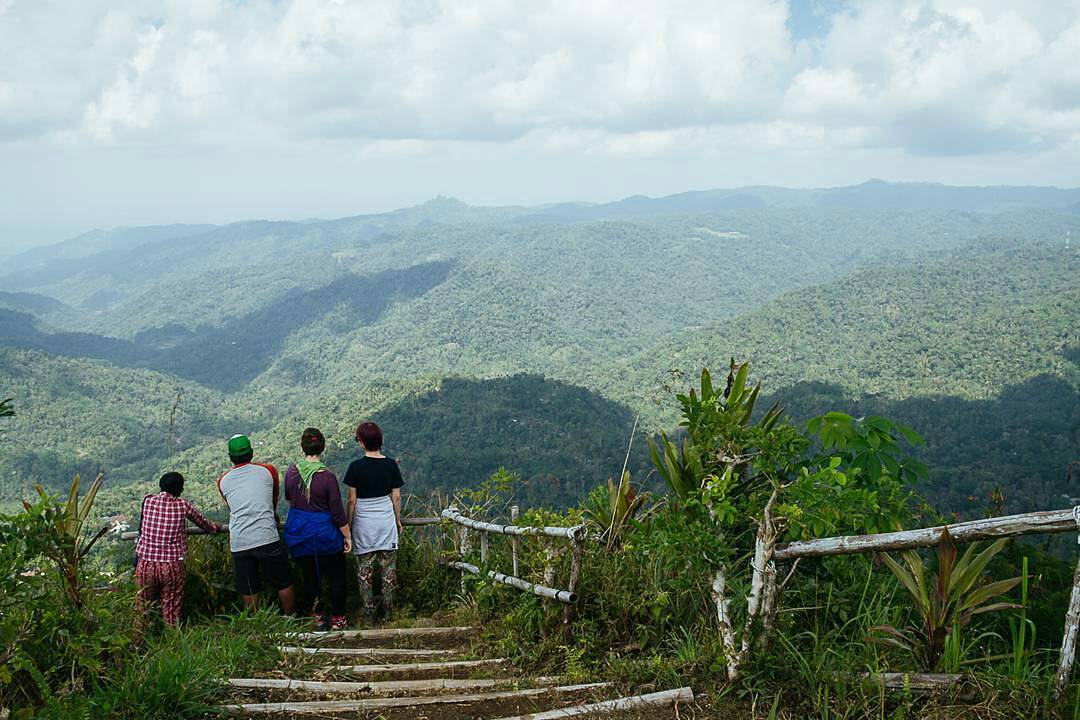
(116, 112)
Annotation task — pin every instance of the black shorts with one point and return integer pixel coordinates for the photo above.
(266, 563)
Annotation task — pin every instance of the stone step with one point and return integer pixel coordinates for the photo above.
(381, 633)
(387, 686)
(366, 704)
(365, 652)
(414, 667)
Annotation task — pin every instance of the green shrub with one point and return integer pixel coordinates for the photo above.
(179, 673)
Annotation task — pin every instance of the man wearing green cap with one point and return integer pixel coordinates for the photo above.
(259, 557)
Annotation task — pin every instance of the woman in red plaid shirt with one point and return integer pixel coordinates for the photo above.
(162, 546)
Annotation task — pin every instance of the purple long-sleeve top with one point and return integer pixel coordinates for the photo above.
(325, 495)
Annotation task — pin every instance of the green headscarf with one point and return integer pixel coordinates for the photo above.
(307, 470)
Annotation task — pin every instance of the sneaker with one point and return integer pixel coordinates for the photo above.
(321, 625)
(339, 622)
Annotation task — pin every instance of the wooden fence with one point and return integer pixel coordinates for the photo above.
(407, 521)
(768, 553)
(765, 588)
(576, 535)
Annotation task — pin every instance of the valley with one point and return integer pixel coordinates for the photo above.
(531, 338)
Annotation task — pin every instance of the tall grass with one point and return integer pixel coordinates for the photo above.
(1022, 631)
(178, 674)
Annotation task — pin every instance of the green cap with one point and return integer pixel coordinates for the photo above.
(239, 445)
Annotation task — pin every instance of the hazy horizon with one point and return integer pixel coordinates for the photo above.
(58, 237)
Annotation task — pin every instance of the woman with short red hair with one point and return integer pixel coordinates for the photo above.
(374, 482)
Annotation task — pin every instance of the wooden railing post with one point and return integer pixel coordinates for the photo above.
(1072, 628)
(514, 540)
(466, 547)
(549, 564)
(575, 575)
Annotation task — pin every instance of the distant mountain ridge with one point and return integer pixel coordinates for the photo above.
(872, 194)
(96, 241)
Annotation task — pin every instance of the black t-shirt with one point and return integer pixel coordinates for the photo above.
(373, 477)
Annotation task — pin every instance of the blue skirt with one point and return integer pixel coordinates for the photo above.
(311, 533)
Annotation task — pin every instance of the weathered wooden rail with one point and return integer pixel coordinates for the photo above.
(407, 521)
(1036, 523)
(575, 535)
(768, 552)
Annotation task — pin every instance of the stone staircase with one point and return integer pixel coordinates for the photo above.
(422, 673)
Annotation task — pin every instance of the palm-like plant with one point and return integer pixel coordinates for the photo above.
(708, 417)
(679, 465)
(615, 509)
(68, 543)
(946, 600)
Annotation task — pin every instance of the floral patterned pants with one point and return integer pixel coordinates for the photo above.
(164, 580)
(365, 574)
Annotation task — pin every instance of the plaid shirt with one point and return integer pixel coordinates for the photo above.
(161, 535)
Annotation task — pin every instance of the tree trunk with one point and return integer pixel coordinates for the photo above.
(723, 619)
(1068, 643)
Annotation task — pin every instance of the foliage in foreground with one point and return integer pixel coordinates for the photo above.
(946, 601)
(71, 646)
(648, 609)
(838, 475)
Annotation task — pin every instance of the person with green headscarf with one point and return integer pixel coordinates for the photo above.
(317, 532)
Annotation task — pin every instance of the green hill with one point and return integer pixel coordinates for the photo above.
(87, 416)
(327, 322)
(979, 354)
(967, 326)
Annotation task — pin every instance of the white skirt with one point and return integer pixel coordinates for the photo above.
(374, 526)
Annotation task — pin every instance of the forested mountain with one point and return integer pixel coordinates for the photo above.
(442, 321)
(30, 302)
(978, 353)
(88, 416)
(231, 354)
(1019, 442)
(966, 325)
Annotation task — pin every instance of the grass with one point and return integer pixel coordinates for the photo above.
(178, 672)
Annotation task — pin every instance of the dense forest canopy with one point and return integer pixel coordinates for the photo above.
(531, 338)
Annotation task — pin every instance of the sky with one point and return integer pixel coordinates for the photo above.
(116, 112)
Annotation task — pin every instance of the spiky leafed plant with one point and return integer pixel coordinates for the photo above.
(945, 600)
(615, 509)
(708, 418)
(68, 543)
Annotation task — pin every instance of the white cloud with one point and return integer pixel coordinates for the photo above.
(945, 77)
(129, 102)
(622, 78)
(390, 70)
